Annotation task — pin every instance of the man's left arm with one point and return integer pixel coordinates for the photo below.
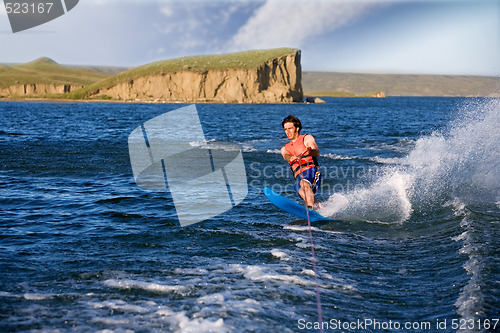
(310, 142)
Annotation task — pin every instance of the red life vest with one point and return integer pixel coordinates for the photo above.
(296, 148)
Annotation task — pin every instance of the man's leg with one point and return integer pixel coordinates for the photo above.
(306, 193)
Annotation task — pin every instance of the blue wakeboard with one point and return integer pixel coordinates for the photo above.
(292, 207)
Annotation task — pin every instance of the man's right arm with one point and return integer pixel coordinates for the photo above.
(286, 155)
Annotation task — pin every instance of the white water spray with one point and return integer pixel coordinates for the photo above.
(462, 163)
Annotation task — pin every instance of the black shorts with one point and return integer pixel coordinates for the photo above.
(312, 176)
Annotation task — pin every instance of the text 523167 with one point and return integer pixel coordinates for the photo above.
(28, 8)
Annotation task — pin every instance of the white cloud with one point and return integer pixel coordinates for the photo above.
(194, 27)
(291, 23)
(167, 11)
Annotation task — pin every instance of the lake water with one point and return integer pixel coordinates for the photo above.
(415, 180)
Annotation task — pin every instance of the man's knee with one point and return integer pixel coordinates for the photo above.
(304, 184)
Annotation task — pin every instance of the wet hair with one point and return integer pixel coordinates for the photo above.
(294, 120)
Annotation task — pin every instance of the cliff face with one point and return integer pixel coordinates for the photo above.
(275, 81)
(37, 89)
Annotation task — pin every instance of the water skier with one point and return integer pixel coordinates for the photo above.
(301, 153)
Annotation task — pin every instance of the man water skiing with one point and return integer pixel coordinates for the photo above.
(301, 153)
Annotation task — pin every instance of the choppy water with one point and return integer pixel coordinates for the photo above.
(82, 248)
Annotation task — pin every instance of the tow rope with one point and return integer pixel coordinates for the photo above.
(314, 261)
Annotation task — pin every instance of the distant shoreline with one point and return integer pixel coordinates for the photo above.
(401, 84)
(56, 100)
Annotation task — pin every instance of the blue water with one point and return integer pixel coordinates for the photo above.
(416, 180)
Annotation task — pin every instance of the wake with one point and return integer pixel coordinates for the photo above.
(462, 163)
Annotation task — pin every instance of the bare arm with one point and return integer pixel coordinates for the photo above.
(286, 155)
(310, 142)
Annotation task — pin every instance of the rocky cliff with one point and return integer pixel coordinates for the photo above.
(277, 80)
(40, 89)
(44, 77)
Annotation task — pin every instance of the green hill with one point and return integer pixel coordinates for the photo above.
(46, 71)
(245, 59)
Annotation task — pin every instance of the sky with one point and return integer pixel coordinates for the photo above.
(450, 37)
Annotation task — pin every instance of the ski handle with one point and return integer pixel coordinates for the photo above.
(302, 154)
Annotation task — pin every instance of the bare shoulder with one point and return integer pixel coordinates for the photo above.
(283, 150)
(309, 140)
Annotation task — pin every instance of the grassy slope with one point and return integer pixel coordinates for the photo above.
(107, 70)
(245, 60)
(46, 71)
(399, 85)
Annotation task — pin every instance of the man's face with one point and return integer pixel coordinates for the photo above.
(291, 131)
